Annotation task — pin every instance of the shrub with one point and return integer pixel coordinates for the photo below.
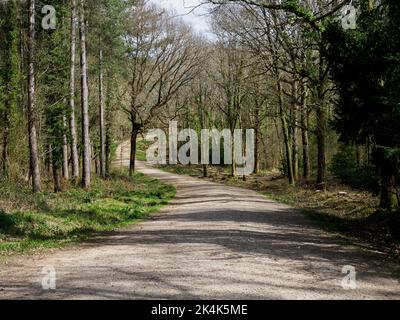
(344, 167)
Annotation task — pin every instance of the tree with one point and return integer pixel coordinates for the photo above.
(366, 68)
(10, 96)
(33, 143)
(86, 153)
(102, 120)
(264, 35)
(311, 16)
(162, 58)
(54, 89)
(72, 122)
(230, 77)
(107, 20)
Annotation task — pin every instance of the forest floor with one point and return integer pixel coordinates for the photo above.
(34, 222)
(212, 241)
(340, 208)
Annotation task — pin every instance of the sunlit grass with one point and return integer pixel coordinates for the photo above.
(50, 220)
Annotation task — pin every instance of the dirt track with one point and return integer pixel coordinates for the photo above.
(212, 242)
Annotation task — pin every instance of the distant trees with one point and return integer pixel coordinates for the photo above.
(287, 69)
(293, 30)
(162, 58)
(230, 76)
(324, 74)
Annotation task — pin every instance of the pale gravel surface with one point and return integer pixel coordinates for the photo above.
(212, 242)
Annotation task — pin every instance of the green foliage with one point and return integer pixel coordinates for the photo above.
(365, 65)
(54, 87)
(10, 73)
(53, 219)
(299, 10)
(141, 150)
(344, 166)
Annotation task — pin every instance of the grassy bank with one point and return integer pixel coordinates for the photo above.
(29, 222)
(339, 209)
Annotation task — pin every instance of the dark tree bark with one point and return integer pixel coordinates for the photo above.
(295, 125)
(108, 150)
(6, 141)
(286, 134)
(390, 197)
(390, 194)
(304, 135)
(109, 117)
(321, 126)
(132, 162)
(321, 144)
(256, 150)
(56, 176)
(48, 160)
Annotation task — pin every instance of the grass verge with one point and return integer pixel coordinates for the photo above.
(31, 222)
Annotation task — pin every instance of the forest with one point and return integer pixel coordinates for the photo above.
(319, 85)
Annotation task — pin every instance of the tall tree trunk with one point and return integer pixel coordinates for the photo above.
(256, 150)
(48, 158)
(204, 123)
(6, 140)
(205, 171)
(295, 124)
(233, 166)
(286, 135)
(72, 123)
(109, 116)
(102, 123)
(33, 145)
(65, 169)
(358, 155)
(134, 135)
(304, 134)
(86, 154)
(321, 125)
(56, 174)
(321, 144)
(22, 41)
(108, 149)
(390, 197)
